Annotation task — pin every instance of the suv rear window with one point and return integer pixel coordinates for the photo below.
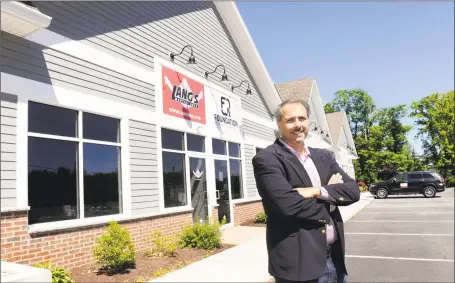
(414, 176)
(428, 175)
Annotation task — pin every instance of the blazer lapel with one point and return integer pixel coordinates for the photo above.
(295, 163)
(321, 164)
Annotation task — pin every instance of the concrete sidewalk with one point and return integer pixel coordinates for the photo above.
(246, 262)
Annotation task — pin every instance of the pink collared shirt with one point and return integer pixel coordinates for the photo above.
(313, 173)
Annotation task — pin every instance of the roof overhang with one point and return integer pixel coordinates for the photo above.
(21, 20)
(350, 139)
(237, 28)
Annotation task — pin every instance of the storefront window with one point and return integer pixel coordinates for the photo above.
(174, 165)
(195, 143)
(172, 140)
(56, 178)
(233, 153)
(219, 147)
(174, 179)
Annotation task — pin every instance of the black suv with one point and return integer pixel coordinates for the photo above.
(411, 183)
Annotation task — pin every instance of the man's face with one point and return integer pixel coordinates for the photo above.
(294, 122)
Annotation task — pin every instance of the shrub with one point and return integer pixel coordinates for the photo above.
(162, 245)
(162, 271)
(363, 189)
(261, 217)
(114, 249)
(205, 235)
(59, 275)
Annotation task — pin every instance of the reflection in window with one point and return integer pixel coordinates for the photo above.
(101, 180)
(401, 177)
(51, 120)
(101, 128)
(172, 139)
(222, 190)
(54, 190)
(174, 179)
(195, 143)
(236, 178)
(52, 180)
(234, 149)
(219, 147)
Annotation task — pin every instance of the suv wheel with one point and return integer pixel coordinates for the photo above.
(382, 193)
(429, 192)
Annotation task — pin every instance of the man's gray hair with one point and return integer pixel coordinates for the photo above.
(279, 113)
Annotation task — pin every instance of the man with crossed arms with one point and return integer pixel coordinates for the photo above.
(301, 189)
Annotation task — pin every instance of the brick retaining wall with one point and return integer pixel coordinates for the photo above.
(73, 247)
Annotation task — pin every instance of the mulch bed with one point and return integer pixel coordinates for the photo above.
(145, 266)
(252, 223)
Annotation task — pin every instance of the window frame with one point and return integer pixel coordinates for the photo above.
(123, 200)
(227, 157)
(187, 154)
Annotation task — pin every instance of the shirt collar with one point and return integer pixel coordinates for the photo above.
(303, 156)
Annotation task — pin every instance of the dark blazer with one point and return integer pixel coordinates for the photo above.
(296, 240)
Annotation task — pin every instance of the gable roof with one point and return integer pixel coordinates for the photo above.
(247, 49)
(300, 89)
(335, 121)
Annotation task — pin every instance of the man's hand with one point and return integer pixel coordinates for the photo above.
(311, 192)
(336, 179)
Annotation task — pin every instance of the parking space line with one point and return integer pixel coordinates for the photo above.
(400, 258)
(409, 206)
(407, 212)
(398, 234)
(401, 221)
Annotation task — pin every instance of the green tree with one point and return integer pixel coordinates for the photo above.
(435, 119)
(379, 135)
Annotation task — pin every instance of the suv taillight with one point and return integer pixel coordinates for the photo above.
(441, 180)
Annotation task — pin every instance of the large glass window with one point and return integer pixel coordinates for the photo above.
(176, 146)
(233, 153)
(174, 179)
(60, 186)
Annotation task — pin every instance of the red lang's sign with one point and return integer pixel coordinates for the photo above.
(182, 96)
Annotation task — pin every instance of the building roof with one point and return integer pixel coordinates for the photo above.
(250, 55)
(300, 89)
(335, 121)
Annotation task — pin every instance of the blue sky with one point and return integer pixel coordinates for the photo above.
(398, 52)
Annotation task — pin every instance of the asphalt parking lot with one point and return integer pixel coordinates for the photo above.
(402, 239)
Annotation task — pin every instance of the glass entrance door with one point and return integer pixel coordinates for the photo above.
(198, 185)
(222, 190)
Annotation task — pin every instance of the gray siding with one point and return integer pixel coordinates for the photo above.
(27, 59)
(8, 118)
(251, 190)
(144, 168)
(138, 30)
(258, 131)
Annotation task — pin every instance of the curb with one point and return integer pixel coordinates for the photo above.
(347, 212)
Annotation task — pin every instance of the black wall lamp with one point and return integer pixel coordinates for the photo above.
(248, 90)
(191, 59)
(326, 133)
(315, 128)
(224, 77)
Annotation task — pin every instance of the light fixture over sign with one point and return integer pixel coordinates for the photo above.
(191, 59)
(248, 90)
(224, 77)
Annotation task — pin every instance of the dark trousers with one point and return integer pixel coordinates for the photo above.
(330, 275)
